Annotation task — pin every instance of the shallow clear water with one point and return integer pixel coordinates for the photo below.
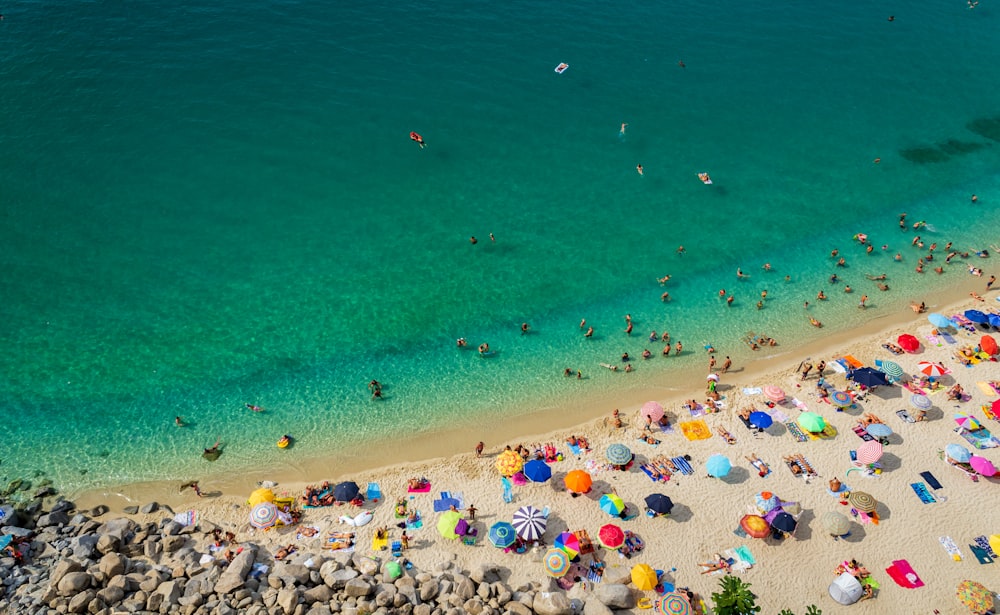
(207, 206)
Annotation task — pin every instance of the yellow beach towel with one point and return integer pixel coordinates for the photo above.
(379, 544)
(695, 430)
(986, 389)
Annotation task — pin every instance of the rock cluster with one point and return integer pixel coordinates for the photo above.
(75, 563)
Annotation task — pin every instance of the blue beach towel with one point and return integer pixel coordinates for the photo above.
(921, 490)
(931, 480)
(574, 448)
(682, 464)
(744, 552)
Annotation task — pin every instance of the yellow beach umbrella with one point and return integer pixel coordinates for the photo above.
(644, 577)
(995, 543)
(260, 496)
(447, 523)
(509, 463)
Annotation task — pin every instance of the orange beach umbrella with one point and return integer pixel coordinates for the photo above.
(578, 481)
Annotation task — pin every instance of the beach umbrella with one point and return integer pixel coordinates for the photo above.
(447, 523)
(618, 454)
(995, 407)
(868, 377)
(644, 577)
(908, 343)
(673, 604)
(982, 465)
(260, 495)
(891, 369)
(612, 504)
(835, 523)
(869, 452)
(767, 501)
(940, 321)
(976, 316)
(578, 481)
(718, 466)
(509, 463)
(760, 420)
(611, 536)
(994, 542)
(264, 515)
(879, 430)
(537, 471)
(921, 402)
(862, 501)
(346, 491)
(568, 542)
(755, 526)
(713, 377)
(556, 562)
(502, 535)
(841, 398)
(774, 393)
(931, 369)
(659, 503)
(967, 422)
(975, 596)
(988, 345)
(529, 523)
(784, 522)
(810, 421)
(994, 320)
(652, 411)
(958, 453)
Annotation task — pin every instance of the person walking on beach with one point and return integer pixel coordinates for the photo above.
(806, 368)
(726, 365)
(990, 282)
(479, 449)
(711, 363)
(820, 368)
(194, 485)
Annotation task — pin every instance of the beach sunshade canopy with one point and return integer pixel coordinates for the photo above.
(612, 504)
(509, 463)
(988, 345)
(502, 535)
(835, 523)
(529, 523)
(766, 501)
(263, 515)
(447, 523)
(673, 604)
(812, 422)
(569, 543)
(994, 320)
(958, 453)
(940, 321)
(976, 316)
(755, 526)
(931, 369)
(718, 466)
(868, 377)
(846, 589)
(618, 454)
(537, 471)
(784, 522)
(975, 596)
(578, 481)
(761, 420)
(869, 452)
(982, 465)
(611, 536)
(908, 343)
(841, 398)
(556, 562)
(652, 411)
(892, 369)
(921, 402)
(659, 503)
(862, 501)
(879, 430)
(346, 491)
(260, 495)
(774, 393)
(712, 377)
(967, 422)
(644, 577)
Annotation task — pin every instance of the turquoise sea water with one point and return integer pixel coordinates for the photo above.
(207, 205)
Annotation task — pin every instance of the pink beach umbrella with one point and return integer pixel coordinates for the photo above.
(869, 452)
(652, 411)
(932, 369)
(774, 393)
(982, 465)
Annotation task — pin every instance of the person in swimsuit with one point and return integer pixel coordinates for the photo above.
(418, 139)
(638, 168)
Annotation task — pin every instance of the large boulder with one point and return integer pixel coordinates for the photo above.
(236, 573)
(485, 573)
(150, 508)
(53, 518)
(73, 583)
(614, 595)
(357, 588)
(288, 599)
(337, 579)
(79, 602)
(551, 603)
(63, 568)
(593, 606)
(108, 543)
(170, 591)
(112, 565)
(320, 593)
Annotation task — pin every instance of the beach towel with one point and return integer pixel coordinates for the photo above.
(682, 465)
(654, 442)
(903, 574)
(982, 555)
(987, 390)
(795, 432)
(777, 415)
(574, 448)
(947, 337)
(988, 411)
(861, 433)
(950, 546)
(933, 340)
(980, 439)
(417, 523)
(736, 564)
(426, 488)
(187, 518)
(854, 363)
(508, 490)
(449, 499)
(799, 404)
(379, 544)
(829, 431)
(921, 490)
(903, 414)
(695, 430)
(931, 480)
(752, 390)
(744, 554)
(299, 535)
(697, 411)
(984, 543)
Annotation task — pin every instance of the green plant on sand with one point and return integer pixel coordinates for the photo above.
(810, 610)
(735, 597)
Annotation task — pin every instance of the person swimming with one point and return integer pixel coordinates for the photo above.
(418, 140)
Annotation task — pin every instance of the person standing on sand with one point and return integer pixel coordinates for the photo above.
(990, 282)
(726, 365)
(479, 449)
(711, 363)
(806, 368)
(472, 512)
(820, 368)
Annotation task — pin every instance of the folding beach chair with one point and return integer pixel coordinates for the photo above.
(397, 548)
(374, 493)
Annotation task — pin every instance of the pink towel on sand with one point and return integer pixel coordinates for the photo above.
(902, 573)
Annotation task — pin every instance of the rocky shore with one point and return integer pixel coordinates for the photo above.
(83, 561)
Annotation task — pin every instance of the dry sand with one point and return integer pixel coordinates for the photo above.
(791, 573)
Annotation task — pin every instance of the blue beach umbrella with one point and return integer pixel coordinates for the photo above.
(761, 420)
(841, 398)
(718, 466)
(612, 504)
(941, 321)
(994, 320)
(921, 402)
(976, 316)
(768, 503)
(868, 377)
(958, 452)
(537, 471)
(502, 535)
(346, 491)
(879, 430)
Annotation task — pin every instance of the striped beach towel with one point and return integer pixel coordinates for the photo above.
(682, 465)
(796, 432)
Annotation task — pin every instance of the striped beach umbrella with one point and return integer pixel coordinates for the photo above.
(958, 453)
(921, 402)
(841, 398)
(892, 369)
(966, 422)
(578, 481)
(568, 542)
(611, 536)
(811, 422)
(774, 393)
(869, 452)
(835, 523)
(644, 577)
(509, 463)
(612, 504)
(931, 369)
(673, 604)
(879, 430)
(502, 535)
(862, 501)
(556, 562)
(618, 454)
(755, 526)
(537, 471)
(718, 466)
(263, 515)
(652, 411)
(529, 523)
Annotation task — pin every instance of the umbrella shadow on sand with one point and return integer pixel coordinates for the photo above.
(802, 529)
(736, 476)
(934, 414)
(890, 462)
(857, 534)
(681, 513)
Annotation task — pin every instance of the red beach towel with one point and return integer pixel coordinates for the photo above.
(902, 573)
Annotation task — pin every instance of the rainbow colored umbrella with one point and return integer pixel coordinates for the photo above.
(263, 515)
(556, 562)
(509, 463)
(967, 422)
(841, 398)
(811, 422)
(568, 542)
(578, 481)
(502, 535)
(652, 411)
(611, 536)
(673, 604)
(612, 504)
(975, 596)
(869, 452)
(644, 577)
(755, 526)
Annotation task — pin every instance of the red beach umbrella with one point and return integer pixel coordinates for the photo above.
(932, 369)
(908, 343)
(611, 536)
(755, 526)
(988, 345)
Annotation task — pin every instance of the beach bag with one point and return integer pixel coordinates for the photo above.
(834, 485)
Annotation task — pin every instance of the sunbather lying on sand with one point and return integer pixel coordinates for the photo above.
(720, 563)
(725, 435)
(869, 419)
(762, 468)
(284, 552)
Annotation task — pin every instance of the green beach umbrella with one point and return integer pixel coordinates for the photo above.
(812, 422)
(447, 523)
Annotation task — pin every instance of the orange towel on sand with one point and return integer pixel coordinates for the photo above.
(852, 361)
(695, 430)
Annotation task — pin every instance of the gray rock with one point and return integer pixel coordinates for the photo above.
(614, 595)
(429, 590)
(99, 510)
(366, 566)
(593, 606)
(319, 609)
(63, 568)
(236, 572)
(425, 609)
(152, 549)
(171, 592)
(483, 591)
(20, 532)
(111, 594)
(120, 527)
(485, 573)
(84, 546)
(357, 587)
(464, 587)
(172, 528)
(63, 506)
(551, 603)
(53, 518)
(78, 603)
(172, 544)
(473, 606)
(131, 510)
(339, 578)
(150, 508)
(108, 543)
(297, 572)
(288, 599)
(73, 583)
(320, 593)
(112, 565)
(518, 608)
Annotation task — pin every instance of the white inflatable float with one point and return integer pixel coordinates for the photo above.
(362, 519)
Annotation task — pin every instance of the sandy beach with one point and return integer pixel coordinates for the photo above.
(790, 573)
